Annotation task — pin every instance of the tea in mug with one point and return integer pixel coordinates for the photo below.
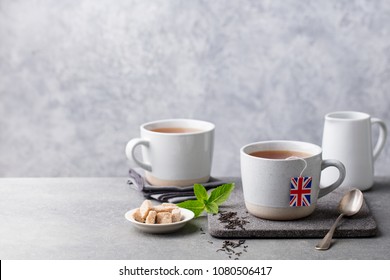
(279, 154)
(175, 130)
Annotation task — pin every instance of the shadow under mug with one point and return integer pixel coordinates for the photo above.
(270, 185)
(175, 152)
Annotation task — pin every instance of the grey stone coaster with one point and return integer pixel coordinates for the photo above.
(316, 225)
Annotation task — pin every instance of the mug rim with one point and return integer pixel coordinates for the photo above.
(206, 126)
(347, 116)
(318, 149)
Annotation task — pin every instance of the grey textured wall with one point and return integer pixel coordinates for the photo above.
(77, 78)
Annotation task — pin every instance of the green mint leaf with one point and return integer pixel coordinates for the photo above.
(211, 207)
(205, 202)
(221, 193)
(200, 192)
(195, 206)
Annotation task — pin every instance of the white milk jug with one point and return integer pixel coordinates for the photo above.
(347, 137)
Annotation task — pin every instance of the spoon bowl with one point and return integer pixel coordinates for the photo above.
(349, 205)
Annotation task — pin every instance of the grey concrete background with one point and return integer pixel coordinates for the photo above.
(77, 78)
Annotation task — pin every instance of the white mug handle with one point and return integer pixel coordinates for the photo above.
(340, 166)
(382, 137)
(130, 148)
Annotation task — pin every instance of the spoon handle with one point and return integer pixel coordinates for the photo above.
(324, 244)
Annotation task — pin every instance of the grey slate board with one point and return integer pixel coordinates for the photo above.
(316, 225)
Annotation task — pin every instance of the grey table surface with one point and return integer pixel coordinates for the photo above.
(83, 218)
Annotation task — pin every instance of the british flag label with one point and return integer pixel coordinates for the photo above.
(300, 191)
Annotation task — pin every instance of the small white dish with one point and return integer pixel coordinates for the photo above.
(186, 215)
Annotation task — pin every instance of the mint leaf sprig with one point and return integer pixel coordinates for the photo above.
(206, 202)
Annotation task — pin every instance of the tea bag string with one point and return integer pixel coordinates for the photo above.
(304, 161)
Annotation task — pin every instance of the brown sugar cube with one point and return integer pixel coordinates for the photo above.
(165, 204)
(176, 215)
(158, 208)
(137, 216)
(164, 218)
(151, 218)
(145, 207)
(164, 208)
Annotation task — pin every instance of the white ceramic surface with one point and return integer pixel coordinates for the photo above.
(266, 182)
(187, 215)
(347, 137)
(179, 159)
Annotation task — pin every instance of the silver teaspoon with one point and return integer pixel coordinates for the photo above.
(349, 205)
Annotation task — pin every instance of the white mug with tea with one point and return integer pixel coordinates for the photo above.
(281, 179)
(347, 137)
(176, 152)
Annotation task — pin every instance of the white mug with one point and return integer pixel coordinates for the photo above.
(284, 188)
(347, 137)
(176, 152)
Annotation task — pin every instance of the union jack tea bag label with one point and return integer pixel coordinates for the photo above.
(300, 191)
(300, 188)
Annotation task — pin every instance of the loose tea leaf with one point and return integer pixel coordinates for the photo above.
(229, 247)
(231, 220)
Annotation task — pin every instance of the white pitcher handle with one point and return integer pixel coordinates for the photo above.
(382, 137)
(130, 149)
